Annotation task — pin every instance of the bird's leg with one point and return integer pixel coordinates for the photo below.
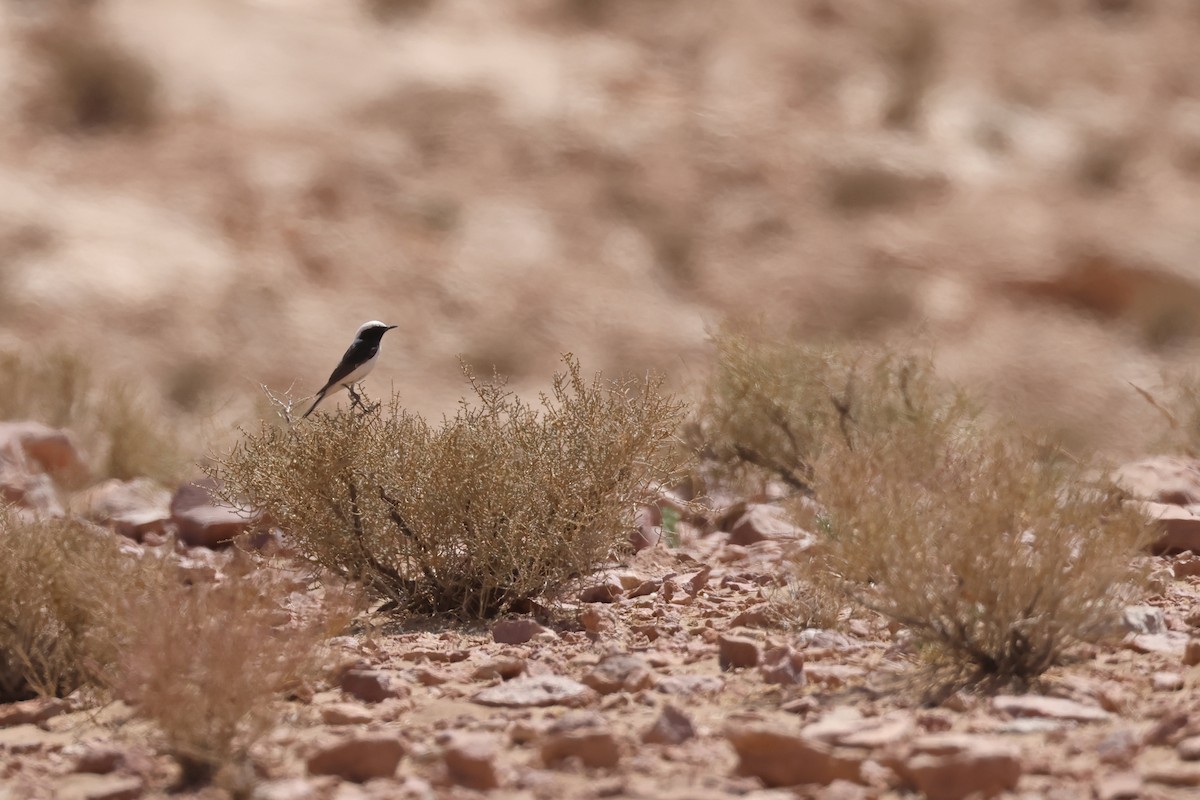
(356, 400)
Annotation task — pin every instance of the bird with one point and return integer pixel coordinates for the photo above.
(357, 362)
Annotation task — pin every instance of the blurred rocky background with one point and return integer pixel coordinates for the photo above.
(209, 195)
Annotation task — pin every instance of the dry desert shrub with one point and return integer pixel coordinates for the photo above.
(997, 552)
(85, 81)
(123, 436)
(505, 502)
(773, 407)
(209, 663)
(60, 583)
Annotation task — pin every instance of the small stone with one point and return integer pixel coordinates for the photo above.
(1119, 748)
(346, 714)
(1119, 786)
(471, 761)
(788, 759)
(760, 523)
(1166, 681)
(84, 786)
(201, 521)
(1048, 707)
(671, 727)
(783, 666)
(646, 587)
(46, 449)
(736, 651)
(1189, 749)
(582, 736)
(607, 592)
(505, 668)
(132, 508)
(833, 676)
(33, 711)
(953, 766)
(1178, 774)
(371, 685)
(530, 692)
(358, 758)
(596, 621)
(620, 672)
(100, 760)
(1143, 619)
(1191, 653)
(690, 684)
(757, 616)
(518, 630)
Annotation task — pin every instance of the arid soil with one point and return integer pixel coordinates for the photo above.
(1015, 185)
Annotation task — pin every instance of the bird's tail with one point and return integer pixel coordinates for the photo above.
(320, 397)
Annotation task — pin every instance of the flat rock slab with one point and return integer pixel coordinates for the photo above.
(532, 692)
(1049, 707)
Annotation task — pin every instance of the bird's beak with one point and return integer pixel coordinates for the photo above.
(389, 327)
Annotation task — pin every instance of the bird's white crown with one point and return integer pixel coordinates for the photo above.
(366, 326)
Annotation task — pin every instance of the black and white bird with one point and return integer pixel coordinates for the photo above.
(358, 361)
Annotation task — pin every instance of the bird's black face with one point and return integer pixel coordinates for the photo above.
(374, 333)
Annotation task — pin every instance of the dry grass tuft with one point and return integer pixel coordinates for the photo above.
(59, 585)
(123, 436)
(504, 503)
(209, 663)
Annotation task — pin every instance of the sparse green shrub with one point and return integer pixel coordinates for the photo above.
(123, 436)
(998, 552)
(502, 503)
(209, 664)
(60, 583)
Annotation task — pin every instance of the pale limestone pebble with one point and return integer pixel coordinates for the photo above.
(1119, 786)
(1169, 480)
(88, 786)
(534, 691)
(1166, 681)
(346, 714)
(1057, 708)
(762, 522)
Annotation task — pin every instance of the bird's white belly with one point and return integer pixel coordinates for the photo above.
(357, 375)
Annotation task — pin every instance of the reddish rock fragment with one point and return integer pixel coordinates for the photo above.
(471, 761)
(788, 759)
(671, 727)
(518, 630)
(760, 523)
(371, 685)
(736, 651)
(953, 766)
(201, 521)
(359, 758)
(609, 591)
(783, 666)
(28, 712)
(44, 449)
(582, 736)
(620, 672)
(505, 668)
(131, 508)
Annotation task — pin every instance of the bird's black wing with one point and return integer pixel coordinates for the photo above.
(358, 353)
